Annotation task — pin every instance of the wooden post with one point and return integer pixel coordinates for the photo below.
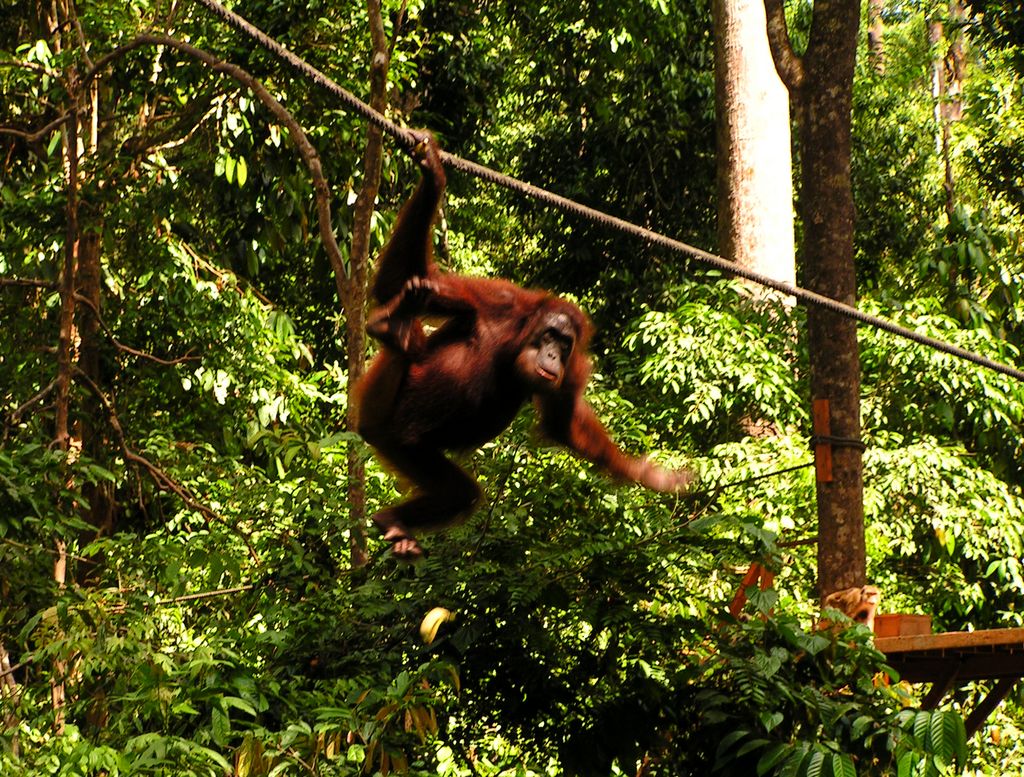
(988, 705)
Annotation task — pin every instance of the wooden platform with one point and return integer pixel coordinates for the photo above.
(951, 659)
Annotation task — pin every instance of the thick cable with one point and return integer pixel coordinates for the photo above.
(406, 139)
(805, 296)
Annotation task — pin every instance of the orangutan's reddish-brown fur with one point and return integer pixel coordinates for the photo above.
(460, 385)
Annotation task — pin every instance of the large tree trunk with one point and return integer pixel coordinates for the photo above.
(821, 87)
(827, 214)
(755, 187)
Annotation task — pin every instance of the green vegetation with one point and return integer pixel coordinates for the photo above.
(209, 621)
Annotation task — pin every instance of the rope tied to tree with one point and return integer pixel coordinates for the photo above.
(405, 138)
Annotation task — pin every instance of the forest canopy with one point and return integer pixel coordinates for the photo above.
(188, 582)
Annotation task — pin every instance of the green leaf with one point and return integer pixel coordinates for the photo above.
(751, 745)
(937, 735)
(772, 756)
(217, 758)
(816, 765)
(770, 719)
(723, 753)
(922, 726)
(238, 704)
(221, 726)
(948, 737)
(843, 765)
(905, 765)
(860, 726)
(796, 761)
(242, 172)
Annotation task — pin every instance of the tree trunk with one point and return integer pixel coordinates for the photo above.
(755, 191)
(66, 340)
(10, 695)
(66, 336)
(355, 305)
(955, 64)
(947, 84)
(93, 426)
(821, 87)
(876, 33)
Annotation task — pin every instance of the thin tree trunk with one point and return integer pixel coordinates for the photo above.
(355, 304)
(827, 213)
(955, 63)
(95, 440)
(92, 427)
(947, 84)
(60, 666)
(876, 34)
(89, 283)
(66, 330)
(66, 345)
(11, 695)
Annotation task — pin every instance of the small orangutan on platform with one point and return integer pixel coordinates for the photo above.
(462, 384)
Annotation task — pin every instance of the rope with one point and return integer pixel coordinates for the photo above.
(838, 442)
(203, 595)
(714, 489)
(766, 475)
(405, 138)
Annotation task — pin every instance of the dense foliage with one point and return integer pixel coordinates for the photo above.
(209, 620)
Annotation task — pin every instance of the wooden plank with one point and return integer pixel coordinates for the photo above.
(953, 658)
(931, 667)
(957, 641)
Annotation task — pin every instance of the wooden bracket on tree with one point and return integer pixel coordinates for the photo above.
(822, 447)
(758, 575)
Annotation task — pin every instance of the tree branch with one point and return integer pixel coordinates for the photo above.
(34, 66)
(163, 481)
(31, 283)
(51, 551)
(305, 148)
(184, 125)
(15, 416)
(205, 595)
(9, 670)
(37, 135)
(128, 349)
(789, 65)
(81, 35)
